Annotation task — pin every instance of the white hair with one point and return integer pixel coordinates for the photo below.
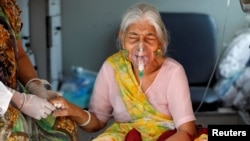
(144, 11)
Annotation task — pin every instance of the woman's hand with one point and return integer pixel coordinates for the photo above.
(36, 107)
(37, 86)
(63, 107)
(186, 132)
(32, 105)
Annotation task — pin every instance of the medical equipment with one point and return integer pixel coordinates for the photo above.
(140, 61)
(140, 58)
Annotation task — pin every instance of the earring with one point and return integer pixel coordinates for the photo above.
(158, 52)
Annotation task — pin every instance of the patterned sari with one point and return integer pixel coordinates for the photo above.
(14, 126)
(145, 118)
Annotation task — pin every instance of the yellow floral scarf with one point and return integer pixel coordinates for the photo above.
(145, 118)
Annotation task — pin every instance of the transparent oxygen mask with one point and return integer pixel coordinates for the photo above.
(140, 58)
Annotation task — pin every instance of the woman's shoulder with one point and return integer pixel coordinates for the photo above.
(170, 62)
(106, 68)
(171, 66)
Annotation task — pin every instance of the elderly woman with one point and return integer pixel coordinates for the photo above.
(146, 93)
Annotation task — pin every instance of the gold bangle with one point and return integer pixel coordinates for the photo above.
(87, 122)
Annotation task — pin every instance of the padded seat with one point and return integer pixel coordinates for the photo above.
(193, 44)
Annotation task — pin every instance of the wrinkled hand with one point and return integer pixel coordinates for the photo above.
(37, 107)
(63, 107)
(40, 90)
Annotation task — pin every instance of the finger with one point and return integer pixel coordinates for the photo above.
(52, 96)
(44, 115)
(59, 105)
(54, 93)
(38, 117)
(58, 113)
(47, 111)
(59, 94)
(56, 99)
(49, 106)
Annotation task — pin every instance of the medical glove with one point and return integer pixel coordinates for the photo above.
(40, 90)
(32, 105)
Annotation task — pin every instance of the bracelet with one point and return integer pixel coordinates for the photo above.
(20, 108)
(31, 80)
(87, 122)
(43, 82)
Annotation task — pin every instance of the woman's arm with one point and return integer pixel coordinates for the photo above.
(180, 106)
(77, 114)
(26, 70)
(186, 132)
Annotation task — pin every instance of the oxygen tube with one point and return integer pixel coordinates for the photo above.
(140, 60)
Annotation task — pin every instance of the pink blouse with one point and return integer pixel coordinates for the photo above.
(169, 94)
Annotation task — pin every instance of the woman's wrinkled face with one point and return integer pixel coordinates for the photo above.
(140, 36)
(140, 32)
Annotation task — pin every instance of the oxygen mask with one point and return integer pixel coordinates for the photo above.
(140, 58)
